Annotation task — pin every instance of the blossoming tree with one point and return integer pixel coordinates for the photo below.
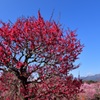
(36, 57)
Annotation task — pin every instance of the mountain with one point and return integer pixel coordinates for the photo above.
(91, 77)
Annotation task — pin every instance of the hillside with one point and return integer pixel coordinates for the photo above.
(92, 77)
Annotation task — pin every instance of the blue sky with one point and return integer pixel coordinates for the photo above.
(83, 15)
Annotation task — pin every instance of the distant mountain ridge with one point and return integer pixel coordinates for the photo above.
(95, 77)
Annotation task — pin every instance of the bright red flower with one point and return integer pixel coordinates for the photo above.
(36, 57)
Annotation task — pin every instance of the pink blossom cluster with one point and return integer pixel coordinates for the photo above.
(90, 91)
